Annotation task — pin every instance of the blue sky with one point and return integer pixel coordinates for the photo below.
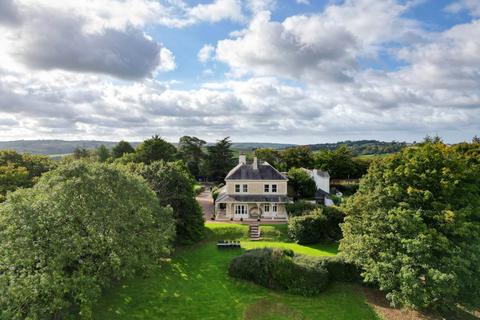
(275, 71)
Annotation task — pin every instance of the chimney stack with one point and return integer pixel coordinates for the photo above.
(242, 159)
(255, 163)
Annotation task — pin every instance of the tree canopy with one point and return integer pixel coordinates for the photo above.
(414, 226)
(155, 149)
(301, 183)
(173, 185)
(122, 147)
(220, 159)
(79, 228)
(191, 152)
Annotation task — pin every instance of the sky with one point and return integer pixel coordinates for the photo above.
(285, 71)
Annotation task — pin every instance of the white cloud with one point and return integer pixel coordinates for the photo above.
(206, 53)
(217, 11)
(322, 46)
(167, 60)
(472, 6)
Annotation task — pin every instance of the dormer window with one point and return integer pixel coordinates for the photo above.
(274, 188)
(237, 188)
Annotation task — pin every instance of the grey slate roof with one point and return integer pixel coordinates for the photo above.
(251, 198)
(246, 172)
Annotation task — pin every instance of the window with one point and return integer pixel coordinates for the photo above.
(274, 207)
(274, 188)
(266, 208)
(245, 188)
(237, 188)
(266, 188)
(240, 209)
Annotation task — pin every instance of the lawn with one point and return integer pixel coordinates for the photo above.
(195, 285)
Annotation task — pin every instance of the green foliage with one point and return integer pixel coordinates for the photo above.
(321, 224)
(341, 164)
(191, 152)
(155, 149)
(298, 208)
(297, 157)
(81, 153)
(339, 269)
(79, 228)
(301, 183)
(270, 155)
(220, 159)
(173, 185)
(20, 170)
(278, 269)
(102, 153)
(363, 147)
(414, 227)
(122, 148)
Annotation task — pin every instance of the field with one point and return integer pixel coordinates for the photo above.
(195, 285)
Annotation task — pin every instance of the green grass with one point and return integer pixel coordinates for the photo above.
(316, 250)
(195, 285)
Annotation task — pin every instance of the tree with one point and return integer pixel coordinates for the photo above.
(190, 150)
(298, 157)
(123, 147)
(173, 185)
(302, 184)
(414, 227)
(79, 228)
(102, 153)
(21, 170)
(476, 140)
(80, 153)
(340, 163)
(155, 149)
(220, 159)
(269, 155)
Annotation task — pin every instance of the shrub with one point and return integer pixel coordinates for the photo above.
(307, 229)
(300, 207)
(321, 224)
(341, 270)
(279, 269)
(79, 228)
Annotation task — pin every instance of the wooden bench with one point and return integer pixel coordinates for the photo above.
(228, 244)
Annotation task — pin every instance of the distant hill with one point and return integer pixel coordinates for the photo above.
(363, 147)
(61, 147)
(53, 147)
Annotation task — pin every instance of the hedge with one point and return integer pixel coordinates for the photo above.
(279, 269)
(322, 224)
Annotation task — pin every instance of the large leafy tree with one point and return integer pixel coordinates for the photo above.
(121, 148)
(102, 153)
(269, 155)
(414, 226)
(297, 157)
(155, 149)
(220, 158)
(301, 183)
(79, 228)
(340, 163)
(21, 170)
(173, 185)
(191, 151)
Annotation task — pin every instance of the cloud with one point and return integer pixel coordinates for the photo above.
(323, 46)
(206, 53)
(8, 13)
(471, 6)
(217, 11)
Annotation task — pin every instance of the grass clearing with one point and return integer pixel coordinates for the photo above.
(316, 250)
(195, 285)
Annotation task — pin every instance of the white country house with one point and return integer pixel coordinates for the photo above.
(252, 191)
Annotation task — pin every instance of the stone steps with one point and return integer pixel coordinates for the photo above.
(254, 232)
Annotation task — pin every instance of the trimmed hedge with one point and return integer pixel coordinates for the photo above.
(298, 208)
(322, 224)
(279, 269)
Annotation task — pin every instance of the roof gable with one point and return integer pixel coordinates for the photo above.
(247, 172)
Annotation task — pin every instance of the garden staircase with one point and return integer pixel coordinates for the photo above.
(254, 232)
